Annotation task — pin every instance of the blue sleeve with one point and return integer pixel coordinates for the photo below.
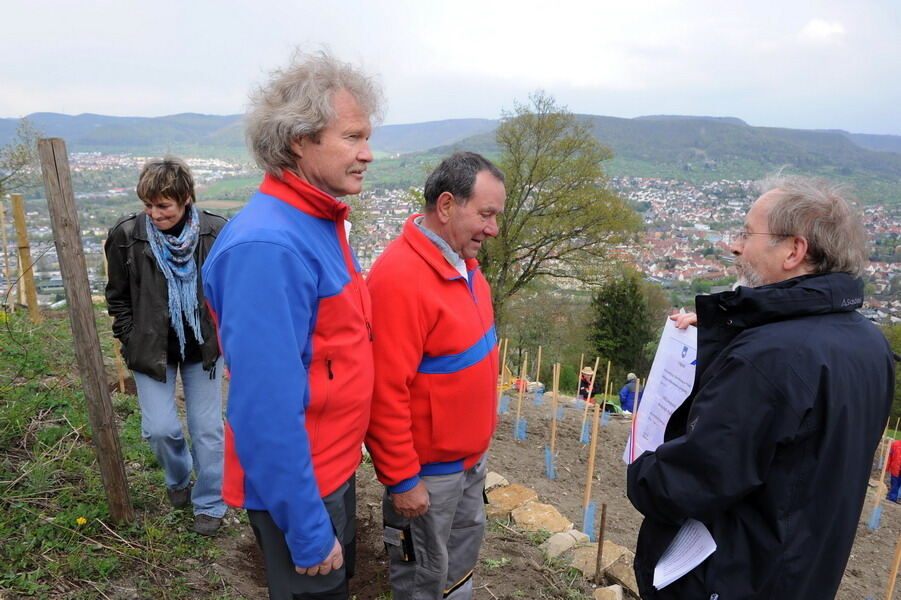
(265, 298)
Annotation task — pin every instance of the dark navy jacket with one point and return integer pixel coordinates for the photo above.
(773, 448)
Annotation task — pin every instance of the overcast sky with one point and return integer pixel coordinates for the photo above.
(788, 63)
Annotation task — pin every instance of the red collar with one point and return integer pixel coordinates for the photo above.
(301, 195)
(431, 253)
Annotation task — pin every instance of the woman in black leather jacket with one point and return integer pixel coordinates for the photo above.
(155, 295)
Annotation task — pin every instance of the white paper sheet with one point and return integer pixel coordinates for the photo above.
(691, 546)
(668, 385)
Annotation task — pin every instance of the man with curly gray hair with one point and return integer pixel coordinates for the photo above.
(294, 323)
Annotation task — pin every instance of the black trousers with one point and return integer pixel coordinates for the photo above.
(287, 584)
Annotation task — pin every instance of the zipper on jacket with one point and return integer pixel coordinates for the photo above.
(328, 365)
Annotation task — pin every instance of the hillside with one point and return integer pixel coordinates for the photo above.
(675, 147)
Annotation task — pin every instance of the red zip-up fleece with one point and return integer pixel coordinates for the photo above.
(294, 316)
(434, 402)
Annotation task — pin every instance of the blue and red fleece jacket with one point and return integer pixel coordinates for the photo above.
(435, 396)
(293, 316)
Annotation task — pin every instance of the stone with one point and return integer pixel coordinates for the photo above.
(622, 572)
(585, 559)
(493, 480)
(560, 542)
(535, 516)
(612, 552)
(503, 500)
(611, 592)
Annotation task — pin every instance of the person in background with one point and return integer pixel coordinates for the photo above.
(792, 391)
(894, 469)
(627, 394)
(155, 295)
(585, 382)
(295, 323)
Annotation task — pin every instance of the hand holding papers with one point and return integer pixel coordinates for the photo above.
(669, 383)
(688, 549)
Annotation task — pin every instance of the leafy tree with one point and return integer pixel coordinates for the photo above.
(626, 316)
(560, 218)
(19, 159)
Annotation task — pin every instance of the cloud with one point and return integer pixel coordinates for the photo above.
(820, 31)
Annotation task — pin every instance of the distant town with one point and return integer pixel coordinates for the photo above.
(684, 247)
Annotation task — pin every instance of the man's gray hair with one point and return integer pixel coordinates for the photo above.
(297, 102)
(823, 213)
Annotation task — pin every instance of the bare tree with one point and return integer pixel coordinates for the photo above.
(19, 159)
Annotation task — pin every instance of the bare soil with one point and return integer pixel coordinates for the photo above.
(512, 566)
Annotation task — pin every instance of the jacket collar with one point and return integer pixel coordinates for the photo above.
(431, 253)
(140, 229)
(817, 294)
(301, 195)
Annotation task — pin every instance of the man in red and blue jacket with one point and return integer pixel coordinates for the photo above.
(293, 317)
(433, 411)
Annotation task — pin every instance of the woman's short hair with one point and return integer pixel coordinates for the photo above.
(823, 213)
(297, 102)
(167, 177)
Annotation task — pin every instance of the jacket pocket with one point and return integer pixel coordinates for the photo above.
(320, 378)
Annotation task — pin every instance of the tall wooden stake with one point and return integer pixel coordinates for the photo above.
(881, 488)
(120, 366)
(556, 383)
(7, 274)
(606, 386)
(25, 264)
(894, 573)
(500, 385)
(538, 366)
(69, 250)
(579, 374)
(522, 386)
(589, 478)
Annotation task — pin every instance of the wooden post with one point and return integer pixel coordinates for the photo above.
(556, 388)
(538, 366)
(881, 488)
(599, 565)
(523, 369)
(579, 374)
(606, 386)
(67, 237)
(590, 393)
(894, 573)
(506, 342)
(7, 274)
(589, 479)
(120, 366)
(25, 264)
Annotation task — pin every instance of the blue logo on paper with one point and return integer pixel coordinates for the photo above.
(684, 351)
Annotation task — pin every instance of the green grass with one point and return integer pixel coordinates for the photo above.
(58, 540)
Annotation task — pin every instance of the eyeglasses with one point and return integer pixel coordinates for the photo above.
(742, 235)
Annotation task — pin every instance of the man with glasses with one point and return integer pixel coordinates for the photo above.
(773, 447)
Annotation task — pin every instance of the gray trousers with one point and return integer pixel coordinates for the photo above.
(433, 556)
